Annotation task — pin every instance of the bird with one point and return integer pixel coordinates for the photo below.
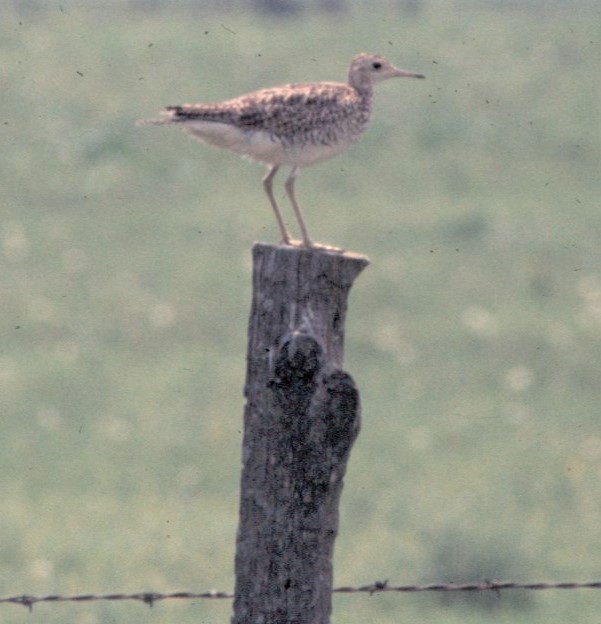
(293, 125)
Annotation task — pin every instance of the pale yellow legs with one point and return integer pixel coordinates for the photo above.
(289, 186)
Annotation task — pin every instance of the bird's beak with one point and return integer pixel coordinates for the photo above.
(403, 73)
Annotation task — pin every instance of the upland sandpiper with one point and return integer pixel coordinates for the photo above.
(295, 125)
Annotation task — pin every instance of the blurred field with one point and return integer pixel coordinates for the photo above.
(474, 336)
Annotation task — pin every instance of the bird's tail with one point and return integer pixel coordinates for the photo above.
(172, 115)
(155, 122)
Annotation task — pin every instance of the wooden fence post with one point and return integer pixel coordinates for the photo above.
(300, 421)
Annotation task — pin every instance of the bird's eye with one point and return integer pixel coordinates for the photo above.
(376, 65)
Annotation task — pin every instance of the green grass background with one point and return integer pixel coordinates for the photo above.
(474, 336)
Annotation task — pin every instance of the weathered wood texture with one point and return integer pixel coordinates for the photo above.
(300, 421)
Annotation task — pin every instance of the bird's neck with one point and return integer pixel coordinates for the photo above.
(362, 84)
(365, 91)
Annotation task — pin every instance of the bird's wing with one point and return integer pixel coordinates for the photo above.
(279, 111)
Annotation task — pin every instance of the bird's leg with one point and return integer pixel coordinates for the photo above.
(299, 217)
(268, 186)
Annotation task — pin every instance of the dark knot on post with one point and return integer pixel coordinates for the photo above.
(316, 419)
(341, 413)
(295, 371)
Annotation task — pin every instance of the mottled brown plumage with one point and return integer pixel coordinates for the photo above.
(294, 125)
(299, 114)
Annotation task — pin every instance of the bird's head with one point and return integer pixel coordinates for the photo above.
(367, 69)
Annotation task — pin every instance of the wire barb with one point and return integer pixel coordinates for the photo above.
(150, 598)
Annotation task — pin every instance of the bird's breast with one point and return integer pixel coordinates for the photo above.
(301, 149)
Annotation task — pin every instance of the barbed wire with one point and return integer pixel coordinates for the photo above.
(150, 598)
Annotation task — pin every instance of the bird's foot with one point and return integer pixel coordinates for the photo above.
(321, 247)
(291, 242)
(300, 244)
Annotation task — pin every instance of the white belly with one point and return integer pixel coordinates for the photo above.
(260, 146)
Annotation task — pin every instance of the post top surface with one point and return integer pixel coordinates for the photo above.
(318, 250)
